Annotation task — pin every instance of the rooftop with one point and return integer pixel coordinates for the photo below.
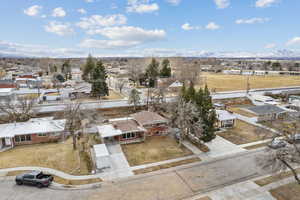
(148, 118)
(32, 127)
(224, 115)
(266, 109)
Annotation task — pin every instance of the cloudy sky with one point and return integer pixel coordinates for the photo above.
(74, 28)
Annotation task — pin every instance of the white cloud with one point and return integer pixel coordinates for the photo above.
(97, 21)
(265, 3)
(188, 27)
(82, 11)
(29, 50)
(89, 1)
(107, 44)
(125, 36)
(270, 46)
(59, 28)
(33, 10)
(174, 2)
(222, 3)
(212, 26)
(293, 41)
(254, 20)
(130, 33)
(59, 12)
(141, 6)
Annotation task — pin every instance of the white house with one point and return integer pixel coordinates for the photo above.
(225, 119)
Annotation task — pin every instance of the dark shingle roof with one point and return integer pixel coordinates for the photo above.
(266, 109)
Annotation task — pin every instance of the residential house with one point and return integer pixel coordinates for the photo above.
(122, 130)
(34, 131)
(225, 119)
(267, 112)
(152, 122)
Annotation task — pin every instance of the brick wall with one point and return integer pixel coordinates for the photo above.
(36, 139)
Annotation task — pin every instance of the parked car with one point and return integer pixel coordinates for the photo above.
(294, 139)
(277, 143)
(35, 178)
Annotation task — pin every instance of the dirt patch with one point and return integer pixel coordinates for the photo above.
(287, 192)
(165, 166)
(154, 149)
(244, 133)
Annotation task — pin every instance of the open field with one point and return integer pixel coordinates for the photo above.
(223, 82)
(165, 166)
(282, 125)
(112, 96)
(244, 133)
(154, 149)
(58, 156)
(287, 192)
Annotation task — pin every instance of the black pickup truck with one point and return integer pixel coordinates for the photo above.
(36, 178)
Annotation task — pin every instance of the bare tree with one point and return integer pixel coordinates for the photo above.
(186, 70)
(135, 71)
(18, 110)
(134, 98)
(72, 115)
(275, 160)
(183, 115)
(120, 84)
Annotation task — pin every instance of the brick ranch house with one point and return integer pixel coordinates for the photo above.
(34, 131)
(134, 128)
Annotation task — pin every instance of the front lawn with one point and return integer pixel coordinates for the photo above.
(287, 192)
(154, 149)
(59, 156)
(244, 133)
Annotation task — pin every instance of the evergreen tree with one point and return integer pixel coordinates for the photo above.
(66, 69)
(166, 69)
(98, 80)
(88, 68)
(152, 72)
(191, 92)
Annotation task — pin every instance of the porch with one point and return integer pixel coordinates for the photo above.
(6, 143)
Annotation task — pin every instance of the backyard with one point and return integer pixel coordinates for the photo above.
(287, 192)
(154, 149)
(223, 82)
(58, 156)
(244, 133)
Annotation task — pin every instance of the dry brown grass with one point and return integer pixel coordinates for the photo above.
(223, 82)
(204, 198)
(166, 166)
(154, 149)
(59, 156)
(240, 111)
(274, 178)
(287, 192)
(244, 133)
(256, 146)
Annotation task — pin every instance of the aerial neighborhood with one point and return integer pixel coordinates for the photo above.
(109, 119)
(149, 100)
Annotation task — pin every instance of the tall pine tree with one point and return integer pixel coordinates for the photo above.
(152, 72)
(88, 68)
(98, 80)
(165, 72)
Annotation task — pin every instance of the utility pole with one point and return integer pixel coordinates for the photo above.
(248, 85)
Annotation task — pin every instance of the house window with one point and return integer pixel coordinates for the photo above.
(22, 138)
(128, 135)
(42, 134)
